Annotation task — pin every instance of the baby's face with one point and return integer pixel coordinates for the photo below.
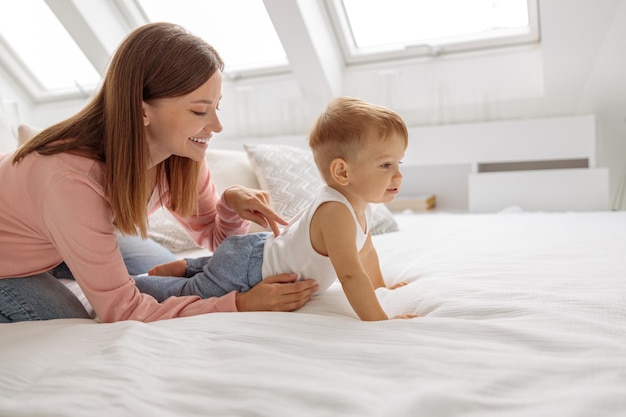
(375, 172)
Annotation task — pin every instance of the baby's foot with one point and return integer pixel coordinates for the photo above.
(171, 269)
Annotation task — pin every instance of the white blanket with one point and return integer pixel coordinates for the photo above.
(521, 314)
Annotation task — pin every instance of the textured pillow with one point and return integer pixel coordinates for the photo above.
(290, 175)
(166, 230)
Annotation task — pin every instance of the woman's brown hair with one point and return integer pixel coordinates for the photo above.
(155, 61)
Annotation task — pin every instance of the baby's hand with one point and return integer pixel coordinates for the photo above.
(398, 285)
(405, 316)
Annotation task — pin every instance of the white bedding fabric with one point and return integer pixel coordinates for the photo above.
(521, 314)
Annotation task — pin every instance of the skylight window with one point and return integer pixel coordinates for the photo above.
(241, 30)
(45, 54)
(380, 28)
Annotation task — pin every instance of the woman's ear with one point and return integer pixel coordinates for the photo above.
(145, 110)
(339, 171)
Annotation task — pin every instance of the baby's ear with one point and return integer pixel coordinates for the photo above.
(339, 171)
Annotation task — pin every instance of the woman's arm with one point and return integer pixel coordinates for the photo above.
(227, 215)
(78, 221)
(215, 220)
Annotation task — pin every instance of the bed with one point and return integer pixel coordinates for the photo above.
(521, 313)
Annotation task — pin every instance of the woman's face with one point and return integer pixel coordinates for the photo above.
(183, 125)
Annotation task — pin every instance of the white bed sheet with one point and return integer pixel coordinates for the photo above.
(521, 314)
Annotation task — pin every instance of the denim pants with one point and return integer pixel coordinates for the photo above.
(234, 266)
(43, 297)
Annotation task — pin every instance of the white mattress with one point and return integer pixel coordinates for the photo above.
(521, 314)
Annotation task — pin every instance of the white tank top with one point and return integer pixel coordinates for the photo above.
(292, 252)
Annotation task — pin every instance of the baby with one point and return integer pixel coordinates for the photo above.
(358, 148)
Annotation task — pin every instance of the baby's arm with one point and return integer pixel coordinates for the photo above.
(369, 260)
(334, 225)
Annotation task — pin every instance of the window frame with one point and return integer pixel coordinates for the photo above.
(233, 73)
(130, 15)
(17, 69)
(353, 54)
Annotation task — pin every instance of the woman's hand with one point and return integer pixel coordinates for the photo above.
(253, 205)
(277, 293)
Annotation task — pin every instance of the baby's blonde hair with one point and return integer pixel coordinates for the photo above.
(346, 124)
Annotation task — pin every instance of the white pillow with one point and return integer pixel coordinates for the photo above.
(26, 133)
(290, 175)
(230, 167)
(8, 141)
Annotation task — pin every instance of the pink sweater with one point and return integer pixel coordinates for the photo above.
(53, 209)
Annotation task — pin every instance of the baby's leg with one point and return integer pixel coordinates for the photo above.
(235, 266)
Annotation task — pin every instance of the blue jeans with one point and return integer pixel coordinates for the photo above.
(43, 297)
(234, 266)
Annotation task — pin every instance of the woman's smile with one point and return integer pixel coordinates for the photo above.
(203, 142)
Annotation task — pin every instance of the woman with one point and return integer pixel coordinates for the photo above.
(70, 192)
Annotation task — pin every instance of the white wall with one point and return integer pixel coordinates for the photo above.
(578, 69)
(604, 94)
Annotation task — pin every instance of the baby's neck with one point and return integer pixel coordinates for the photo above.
(358, 205)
